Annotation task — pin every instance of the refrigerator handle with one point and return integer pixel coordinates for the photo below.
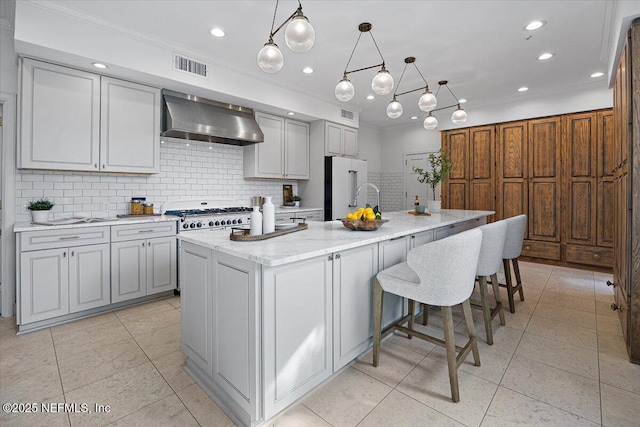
(354, 185)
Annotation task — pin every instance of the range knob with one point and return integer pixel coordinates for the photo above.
(199, 225)
(185, 225)
(192, 225)
(210, 223)
(217, 222)
(228, 222)
(240, 221)
(234, 221)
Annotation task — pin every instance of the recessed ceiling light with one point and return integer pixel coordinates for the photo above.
(217, 32)
(534, 25)
(99, 65)
(290, 113)
(598, 74)
(210, 148)
(523, 89)
(161, 142)
(414, 117)
(462, 101)
(187, 145)
(370, 97)
(545, 56)
(307, 70)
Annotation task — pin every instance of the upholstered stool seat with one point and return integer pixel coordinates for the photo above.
(516, 227)
(440, 273)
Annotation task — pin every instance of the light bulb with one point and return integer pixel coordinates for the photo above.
(345, 90)
(270, 59)
(430, 123)
(394, 109)
(382, 83)
(299, 34)
(459, 116)
(427, 101)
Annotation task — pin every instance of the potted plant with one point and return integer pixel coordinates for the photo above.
(296, 200)
(40, 210)
(440, 168)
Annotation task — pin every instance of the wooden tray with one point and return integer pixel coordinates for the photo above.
(419, 214)
(242, 234)
(137, 216)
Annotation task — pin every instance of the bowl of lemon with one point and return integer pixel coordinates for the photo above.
(364, 219)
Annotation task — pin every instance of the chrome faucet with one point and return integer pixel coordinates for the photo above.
(355, 199)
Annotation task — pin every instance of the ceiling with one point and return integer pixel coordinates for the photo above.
(480, 47)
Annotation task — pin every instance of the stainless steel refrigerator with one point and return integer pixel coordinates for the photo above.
(342, 177)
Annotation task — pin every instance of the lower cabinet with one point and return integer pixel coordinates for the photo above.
(89, 276)
(390, 253)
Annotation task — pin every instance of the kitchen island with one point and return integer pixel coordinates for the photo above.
(263, 323)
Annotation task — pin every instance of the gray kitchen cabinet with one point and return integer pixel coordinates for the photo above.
(62, 272)
(392, 252)
(75, 120)
(284, 152)
(449, 230)
(340, 140)
(142, 266)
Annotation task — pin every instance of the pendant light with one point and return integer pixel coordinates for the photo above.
(394, 109)
(382, 83)
(458, 117)
(299, 37)
(427, 101)
(430, 123)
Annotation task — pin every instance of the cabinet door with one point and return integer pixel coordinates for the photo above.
(161, 264)
(60, 118)
(353, 274)
(605, 162)
(350, 142)
(333, 135)
(269, 155)
(129, 127)
(390, 253)
(296, 150)
(89, 284)
(456, 188)
(44, 285)
(512, 191)
(128, 270)
(482, 169)
(297, 330)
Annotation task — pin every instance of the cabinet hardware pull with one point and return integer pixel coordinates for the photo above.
(596, 256)
(69, 238)
(73, 253)
(149, 244)
(615, 306)
(143, 244)
(330, 257)
(64, 254)
(452, 226)
(95, 165)
(337, 256)
(610, 283)
(145, 231)
(401, 237)
(104, 166)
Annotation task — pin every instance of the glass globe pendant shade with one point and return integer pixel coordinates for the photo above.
(394, 109)
(382, 83)
(345, 90)
(427, 101)
(430, 123)
(270, 59)
(459, 116)
(299, 34)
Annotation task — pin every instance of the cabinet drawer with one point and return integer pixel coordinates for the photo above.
(590, 255)
(544, 250)
(473, 223)
(449, 230)
(37, 240)
(121, 233)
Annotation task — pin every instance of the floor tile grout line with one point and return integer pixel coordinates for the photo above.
(564, 342)
(599, 382)
(64, 395)
(377, 404)
(555, 367)
(312, 411)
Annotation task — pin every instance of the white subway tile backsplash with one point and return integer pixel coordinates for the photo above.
(201, 170)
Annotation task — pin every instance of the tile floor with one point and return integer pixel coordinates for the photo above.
(560, 360)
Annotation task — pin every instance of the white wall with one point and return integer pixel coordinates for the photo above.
(369, 147)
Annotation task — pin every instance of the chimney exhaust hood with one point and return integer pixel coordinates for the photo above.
(195, 118)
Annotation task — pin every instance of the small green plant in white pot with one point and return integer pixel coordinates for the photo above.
(296, 200)
(40, 210)
(440, 168)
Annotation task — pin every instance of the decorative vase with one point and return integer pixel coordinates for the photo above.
(255, 219)
(39, 216)
(268, 216)
(434, 206)
(296, 204)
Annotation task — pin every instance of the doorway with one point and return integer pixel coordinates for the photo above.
(411, 185)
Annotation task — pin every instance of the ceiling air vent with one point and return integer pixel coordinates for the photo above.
(346, 114)
(188, 65)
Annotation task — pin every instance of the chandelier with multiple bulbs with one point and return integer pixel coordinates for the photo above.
(299, 37)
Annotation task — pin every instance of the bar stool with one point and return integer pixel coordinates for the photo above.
(441, 273)
(512, 248)
(493, 237)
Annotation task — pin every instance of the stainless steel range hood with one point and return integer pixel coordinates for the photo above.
(194, 118)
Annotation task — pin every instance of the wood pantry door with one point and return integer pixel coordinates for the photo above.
(512, 191)
(482, 164)
(455, 191)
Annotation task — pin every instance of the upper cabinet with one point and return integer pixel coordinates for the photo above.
(284, 154)
(75, 120)
(340, 140)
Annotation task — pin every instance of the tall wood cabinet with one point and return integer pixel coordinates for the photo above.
(553, 169)
(626, 191)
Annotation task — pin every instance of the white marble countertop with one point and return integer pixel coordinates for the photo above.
(282, 209)
(27, 226)
(322, 238)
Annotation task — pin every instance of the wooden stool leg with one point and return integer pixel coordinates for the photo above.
(471, 330)
(496, 295)
(412, 309)
(425, 314)
(450, 346)
(509, 284)
(486, 310)
(377, 320)
(516, 269)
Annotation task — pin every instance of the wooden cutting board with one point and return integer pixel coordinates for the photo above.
(419, 214)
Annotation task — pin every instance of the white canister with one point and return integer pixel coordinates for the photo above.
(255, 219)
(268, 216)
